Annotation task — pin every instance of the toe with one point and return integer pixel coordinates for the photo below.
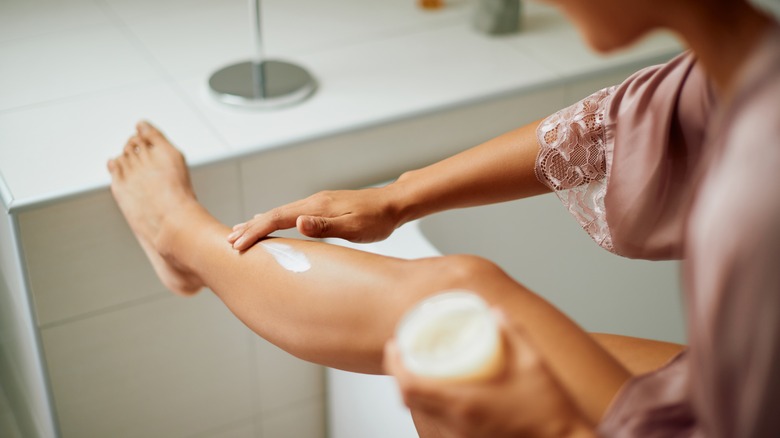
(135, 147)
(149, 133)
(130, 146)
(115, 168)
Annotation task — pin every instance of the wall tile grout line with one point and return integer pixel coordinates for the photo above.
(157, 296)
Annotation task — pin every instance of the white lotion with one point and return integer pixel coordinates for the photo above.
(452, 335)
(287, 256)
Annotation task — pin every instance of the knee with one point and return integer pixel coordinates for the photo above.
(467, 272)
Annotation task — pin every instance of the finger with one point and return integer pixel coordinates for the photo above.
(518, 343)
(236, 232)
(426, 395)
(320, 227)
(261, 226)
(344, 227)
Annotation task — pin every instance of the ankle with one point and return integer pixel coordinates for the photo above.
(173, 227)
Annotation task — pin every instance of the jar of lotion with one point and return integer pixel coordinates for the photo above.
(452, 336)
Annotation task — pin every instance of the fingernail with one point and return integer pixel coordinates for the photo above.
(237, 244)
(307, 224)
(143, 124)
(232, 236)
(237, 226)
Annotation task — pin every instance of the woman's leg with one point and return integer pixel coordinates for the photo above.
(342, 310)
(638, 355)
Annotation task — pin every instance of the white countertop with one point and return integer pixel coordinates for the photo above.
(75, 76)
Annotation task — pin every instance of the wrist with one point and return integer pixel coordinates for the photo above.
(403, 203)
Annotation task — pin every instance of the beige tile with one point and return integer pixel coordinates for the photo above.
(284, 380)
(304, 420)
(8, 426)
(83, 258)
(243, 429)
(169, 368)
(21, 375)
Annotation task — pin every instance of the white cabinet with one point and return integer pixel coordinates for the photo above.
(123, 357)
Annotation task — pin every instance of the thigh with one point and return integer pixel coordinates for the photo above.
(638, 355)
(588, 372)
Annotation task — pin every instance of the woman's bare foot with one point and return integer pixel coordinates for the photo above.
(151, 183)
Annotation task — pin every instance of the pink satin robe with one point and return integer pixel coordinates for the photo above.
(660, 168)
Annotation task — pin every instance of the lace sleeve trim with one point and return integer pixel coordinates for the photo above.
(572, 162)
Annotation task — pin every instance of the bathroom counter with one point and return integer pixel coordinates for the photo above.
(77, 75)
(92, 345)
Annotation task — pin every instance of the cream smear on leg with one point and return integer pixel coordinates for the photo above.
(287, 256)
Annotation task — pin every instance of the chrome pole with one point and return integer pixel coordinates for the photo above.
(257, 62)
(260, 82)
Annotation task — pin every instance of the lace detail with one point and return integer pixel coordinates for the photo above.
(572, 161)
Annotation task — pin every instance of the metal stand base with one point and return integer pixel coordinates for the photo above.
(263, 85)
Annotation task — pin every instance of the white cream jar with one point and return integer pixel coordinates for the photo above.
(453, 336)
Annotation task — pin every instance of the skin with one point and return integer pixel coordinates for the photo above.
(353, 299)
(491, 407)
(498, 170)
(565, 377)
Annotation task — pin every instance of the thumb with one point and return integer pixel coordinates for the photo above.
(517, 340)
(315, 226)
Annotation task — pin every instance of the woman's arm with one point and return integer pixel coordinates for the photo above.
(501, 169)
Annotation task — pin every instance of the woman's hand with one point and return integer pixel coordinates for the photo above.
(524, 400)
(359, 216)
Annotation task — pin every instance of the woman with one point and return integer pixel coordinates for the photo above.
(662, 166)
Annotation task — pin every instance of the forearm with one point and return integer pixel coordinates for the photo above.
(498, 170)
